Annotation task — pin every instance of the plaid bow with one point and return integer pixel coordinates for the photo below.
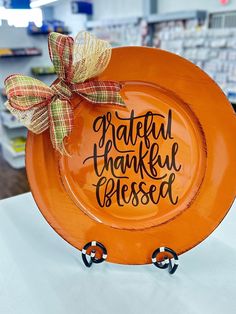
(40, 107)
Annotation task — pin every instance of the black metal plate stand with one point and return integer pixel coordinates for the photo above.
(170, 263)
(167, 263)
(93, 259)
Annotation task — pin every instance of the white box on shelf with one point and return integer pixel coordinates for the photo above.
(14, 159)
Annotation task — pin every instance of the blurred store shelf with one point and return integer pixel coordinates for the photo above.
(19, 52)
(181, 15)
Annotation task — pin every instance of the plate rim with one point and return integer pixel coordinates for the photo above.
(29, 138)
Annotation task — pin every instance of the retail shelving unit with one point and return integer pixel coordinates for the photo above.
(119, 32)
(187, 33)
(11, 128)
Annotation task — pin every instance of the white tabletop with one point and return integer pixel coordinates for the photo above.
(40, 273)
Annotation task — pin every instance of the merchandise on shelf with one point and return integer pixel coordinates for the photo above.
(19, 52)
(47, 27)
(43, 70)
(125, 32)
(213, 50)
(18, 144)
(5, 52)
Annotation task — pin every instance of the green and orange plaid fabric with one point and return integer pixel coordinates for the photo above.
(40, 107)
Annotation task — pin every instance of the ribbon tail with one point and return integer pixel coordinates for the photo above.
(99, 98)
(100, 92)
(61, 123)
(34, 119)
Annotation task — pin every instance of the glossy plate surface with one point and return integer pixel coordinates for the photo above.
(157, 173)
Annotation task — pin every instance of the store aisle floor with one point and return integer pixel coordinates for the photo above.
(12, 181)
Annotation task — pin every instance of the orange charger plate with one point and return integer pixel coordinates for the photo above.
(160, 172)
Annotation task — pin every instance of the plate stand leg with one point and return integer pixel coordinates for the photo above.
(170, 263)
(92, 255)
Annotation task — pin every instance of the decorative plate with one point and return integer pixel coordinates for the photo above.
(159, 172)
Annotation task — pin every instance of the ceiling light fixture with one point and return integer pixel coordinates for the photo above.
(40, 3)
(21, 17)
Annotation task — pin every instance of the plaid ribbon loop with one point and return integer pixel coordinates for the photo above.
(76, 63)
